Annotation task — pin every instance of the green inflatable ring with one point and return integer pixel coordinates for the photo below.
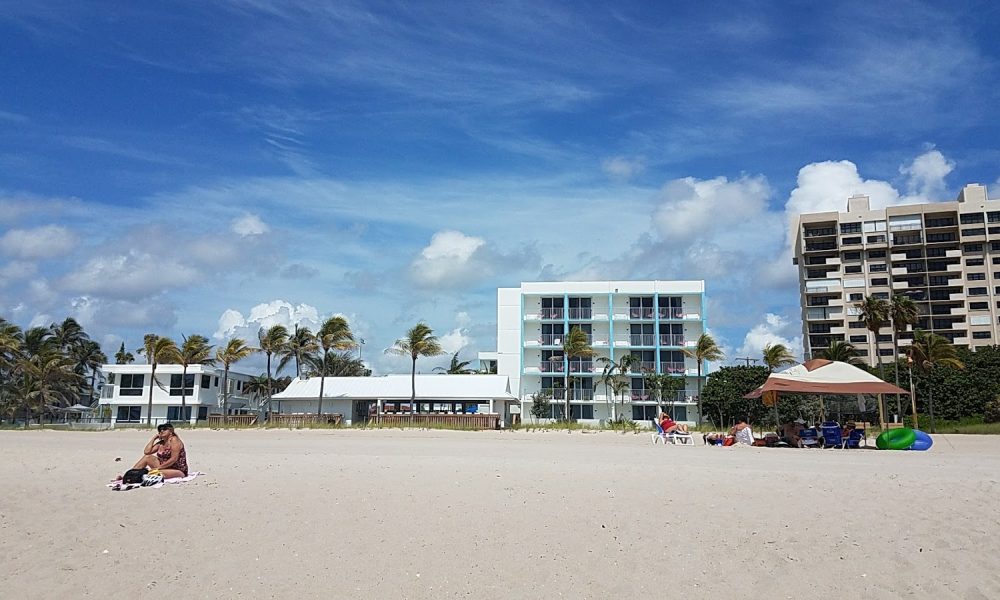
(896, 439)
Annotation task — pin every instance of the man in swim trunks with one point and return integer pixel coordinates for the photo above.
(166, 453)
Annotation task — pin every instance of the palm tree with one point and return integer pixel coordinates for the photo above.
(158, 350)
(654, 383)
(874, 313)
(777, 356)
(619, 385)
(456, 367)
(302, 345)
(612, 370)
(841, 351)
(902, 314)
(335, 334)
(11, 348)
(68, 333)
(234, 351)
(337, 364)
(927, 351)
(122, 357)
(705, 350)
(88, 358)
(576, 345)
(195, 350)
(47, 378)
(272, 341)
(258, 388)
(419, 341)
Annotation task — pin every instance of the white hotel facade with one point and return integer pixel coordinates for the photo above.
(655, 321)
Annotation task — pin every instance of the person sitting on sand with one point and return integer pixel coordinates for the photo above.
(790, 432)
(671, 426)
(714, 439)
(165, 452)
(742, 433)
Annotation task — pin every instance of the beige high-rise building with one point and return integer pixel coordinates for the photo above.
(943, 255)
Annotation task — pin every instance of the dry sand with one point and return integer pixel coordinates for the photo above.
(435, 514)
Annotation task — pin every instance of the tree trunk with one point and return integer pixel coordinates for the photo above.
(225, 393)
(895, 368)
(413, 387)
(322, 381)
(269, 384)
(930, 406)
(93, 382)
(700, 418)
(149, 405)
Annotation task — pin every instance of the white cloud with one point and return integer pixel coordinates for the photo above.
(16, 270)
(774, 329)
(249, 224)
(49, 241)
(232, 323)
(130, 276)
(453, 259)
(926, 175)
(621, 167)
(696, 208)
(455, 340)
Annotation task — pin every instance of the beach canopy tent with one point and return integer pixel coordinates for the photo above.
(819, 376)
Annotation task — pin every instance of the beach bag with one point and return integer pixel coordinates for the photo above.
(133, 476)
(152, 478)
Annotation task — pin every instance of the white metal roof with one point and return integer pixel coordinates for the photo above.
(463, 387)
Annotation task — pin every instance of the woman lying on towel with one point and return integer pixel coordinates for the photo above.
(671, 426)
(166, 453)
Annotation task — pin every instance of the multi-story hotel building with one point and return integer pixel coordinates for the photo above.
(653, 321)
(943, 255)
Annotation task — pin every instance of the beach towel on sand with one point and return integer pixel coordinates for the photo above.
(117, 485)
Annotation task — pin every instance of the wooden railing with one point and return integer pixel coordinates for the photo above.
(464, 421)
(280, 420)
(232, 421)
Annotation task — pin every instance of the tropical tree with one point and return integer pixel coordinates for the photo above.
(776, 356)
(704, 350)
(234, 351)
(540, 408)
(335, 334)
(68, 333)
(903, 313)
(419, 341)
(11, 348)
(123, 357)
(928, 351)
(612, 370)
(194, 350)
(258, 388)
(874, 313)
(337, 364)
(88, 358)
(272, 341)
(619, 385)
(841, 351)
(302, 345)
(158, 350)
(45, 379)
(576, 345)
(456, 367)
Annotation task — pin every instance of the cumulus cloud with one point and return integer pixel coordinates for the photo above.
(454, 259)
(774, 329)
(926, 174)
(131, 276)
(232, 323)
(16, 270)
(249, 224)
(702, 208)
(622, 167)
(49, 241)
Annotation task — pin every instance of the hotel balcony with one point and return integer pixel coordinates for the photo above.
(671, 339)
(645, 366)
(552, 314)
(580, 314)
(641, 314)
(959, 310)
(582, 366)
(646, 340)
(955, 267)
(551, 339)
(670, 313)
(957, 296)
(551, 366)
(953, 253)
(675, 368)
(900, 285)
(961, 340)
(900, 270)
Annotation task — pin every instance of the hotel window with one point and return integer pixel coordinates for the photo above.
(881, 295)
(884, 338)
(876, 239)
(974, 262)
(856, 325)
(977, 291)
(175, 385)
(216, 382)
(975, 276)
(880, 281)
(174, 413)
(206, 381)
(876, 254)
(876, 268)
(974, 231)
(993, 217)
(972, 247)
(850, 228)
(979, 306)
(857, 297)
(858, 338)
(981, 335)
(131, 385)
(994, 230)
(852, 256)
(852, 269)
(885, 351)
(852, 241)
(971, 218)
(995, 246)
(996, 260)
(129, 414)
(933, 253)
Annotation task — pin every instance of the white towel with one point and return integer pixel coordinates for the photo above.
(117, 485)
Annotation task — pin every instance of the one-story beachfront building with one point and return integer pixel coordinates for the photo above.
(359, 398)
(126, 393)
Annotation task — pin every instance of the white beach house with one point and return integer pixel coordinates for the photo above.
(357, 398)
(126, 392)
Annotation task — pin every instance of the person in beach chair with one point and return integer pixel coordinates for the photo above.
(165, 453)
(742, 433)
(671, 426)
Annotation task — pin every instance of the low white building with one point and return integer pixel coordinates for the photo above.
(126, 392)
(356, 398)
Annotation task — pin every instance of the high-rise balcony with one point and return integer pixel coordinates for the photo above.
(670, 312)
(551, 366)
(552, 339)
(671, 339)
(554, 393)
(642, 339)
(552, 314)
(581, 366)
(673, 367)
(643, 366)
(580, 314)
(640, 313)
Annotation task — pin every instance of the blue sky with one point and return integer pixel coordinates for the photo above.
(208, 168)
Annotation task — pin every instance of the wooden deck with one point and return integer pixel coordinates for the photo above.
(232, 421)
(303, 420)
(464, 421)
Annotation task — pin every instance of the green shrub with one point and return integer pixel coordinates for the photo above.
(991, 412)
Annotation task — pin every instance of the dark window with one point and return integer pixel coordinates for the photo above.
(996, 260)
(993, 217)
(850, 228)
(852, 256)
(881, 295)
(876, 254)
(852, 269)
(876, 268)
(972, 247)
(941, 237)
(857, 297)
(129, 414)
(880, 281)
(977, 291)
(175, 385)
(859, 338)
(945, 222)
(131, 385)
(980, 335)
(852, 241)
(885, 352)
(994, 230)
(216, 382)
(995, 246)
(861, 351)
(974, 231)
(974, 262)
(174, 413)
(996, 274)
(975, 276)
(884, 338)
(979, 305)
(971, 218)
(933, 252)
(206, 381)
(856, 325)
(876, 239)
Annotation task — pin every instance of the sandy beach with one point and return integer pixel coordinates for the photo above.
(437, 514)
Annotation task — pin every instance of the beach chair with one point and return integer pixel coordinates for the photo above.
(678, 437)
(832, 435)
(658, 433)
(809, 438)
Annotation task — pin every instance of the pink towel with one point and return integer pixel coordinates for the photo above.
(117, 485)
